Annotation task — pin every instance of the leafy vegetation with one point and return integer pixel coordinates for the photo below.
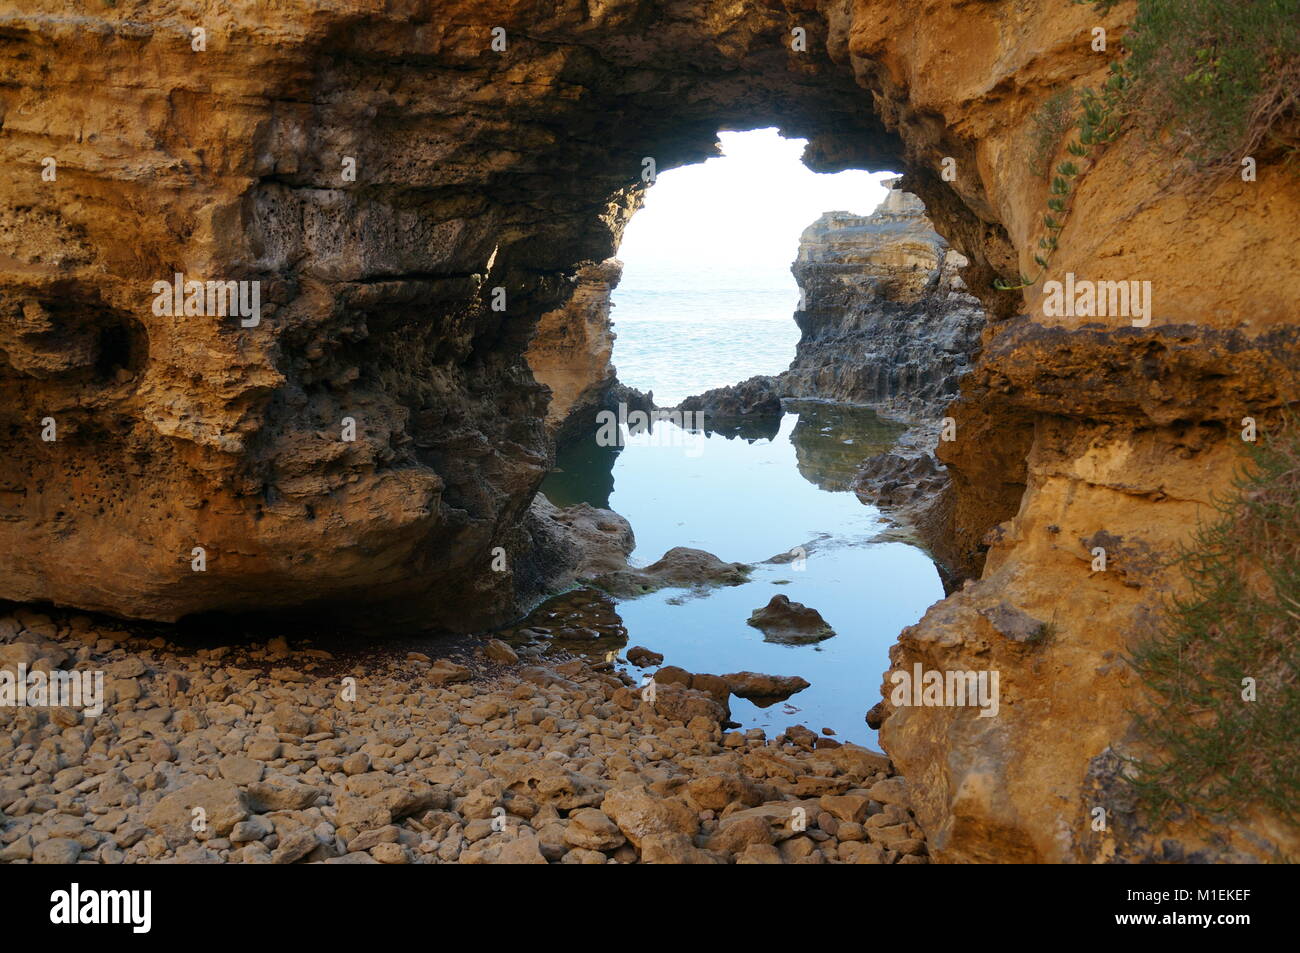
(1217, 80)
(1214, 81)
(1220, 751)
(1051, 122)
(1098, 124)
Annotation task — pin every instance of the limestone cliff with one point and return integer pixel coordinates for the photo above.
(411, 200)
(571, 349)
(884, 315)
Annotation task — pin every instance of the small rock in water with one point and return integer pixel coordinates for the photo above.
(754, 685)
(642, 657)
(790, 623)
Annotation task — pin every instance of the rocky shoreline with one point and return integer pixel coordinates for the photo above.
(283, 753)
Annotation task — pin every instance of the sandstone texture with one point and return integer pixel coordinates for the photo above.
(478, 170)
(571, 350)
(516, 764)
(410, 201)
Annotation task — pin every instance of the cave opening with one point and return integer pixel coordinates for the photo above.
(705, 295)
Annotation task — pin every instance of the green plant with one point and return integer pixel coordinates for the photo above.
(1216, 80)
(1099, 124)
(1218, 751)
(1052, 120)
(1046, 633)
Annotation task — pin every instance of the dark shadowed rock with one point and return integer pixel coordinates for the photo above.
(758, 396)
(680, 567)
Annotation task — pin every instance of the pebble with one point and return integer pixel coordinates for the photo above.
(218, 757)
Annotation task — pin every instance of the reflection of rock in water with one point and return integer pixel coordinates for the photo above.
(583, 473)
(580, 622)
(747, 429)
(831, 440)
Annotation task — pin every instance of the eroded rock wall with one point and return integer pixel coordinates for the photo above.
(477, 170)
(1071, 433)
(571, 354)
(381, 171)
(884, 316)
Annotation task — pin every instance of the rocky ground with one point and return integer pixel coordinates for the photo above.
(280, 753)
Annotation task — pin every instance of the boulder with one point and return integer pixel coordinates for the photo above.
(790, 623)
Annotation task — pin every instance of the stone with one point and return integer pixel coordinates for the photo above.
(715, 792)
(673, 848)
(847, 807)
(521, 849)
(759, 854)
(790, 623)
(679, 703)
(253, 829)
(56, 850)
(592, 829)
(240, 770)
(548, 783)
(279, 794)
(356, 763)
(642, 657)
(294, 847)
(741, 834)
(759, 686)
(499, 651)
(368, 839)
(447, 672)
(680, 567)
(639, 814)
(222, 803)
(756, 398)
(388, 852)
(856, 852)
(890, 791)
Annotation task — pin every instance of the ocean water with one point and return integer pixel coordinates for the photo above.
(778, 488)
(683, 332)
(749, 499)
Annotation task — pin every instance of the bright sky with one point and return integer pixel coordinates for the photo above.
(737, 216)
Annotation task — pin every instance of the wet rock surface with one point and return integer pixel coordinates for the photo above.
(220, 756)
(885, 318)
(680, 567)
(757, 397)
(790, 623)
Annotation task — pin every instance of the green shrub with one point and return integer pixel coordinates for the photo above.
(1216, 80)
(1050, 122)
(1240, 619)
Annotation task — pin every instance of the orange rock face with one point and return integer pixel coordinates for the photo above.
(411, 200)
(570, 353)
